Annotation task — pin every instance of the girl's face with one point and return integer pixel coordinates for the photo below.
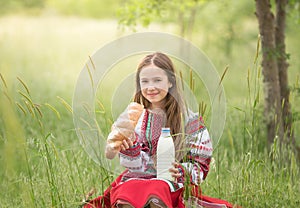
(155, 85)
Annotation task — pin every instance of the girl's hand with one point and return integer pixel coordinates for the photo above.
(115, 143)
(126, 144)
(175, 171)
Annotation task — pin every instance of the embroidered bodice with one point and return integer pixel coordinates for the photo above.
(140, 158)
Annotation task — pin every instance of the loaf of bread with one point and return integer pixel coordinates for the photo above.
(135, 111)
(115, 139)
(123, 128)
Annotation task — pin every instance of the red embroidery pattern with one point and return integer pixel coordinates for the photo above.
(156, 126)
(194, 125)
(201, 147)
(156, 123)
(132, 152)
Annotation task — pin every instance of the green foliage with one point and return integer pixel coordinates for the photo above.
(136, 12)
(84, 8)
(294, 10)
(246, 172)
(192, 17)
(18, 5)
(42, 162)
(22, 3)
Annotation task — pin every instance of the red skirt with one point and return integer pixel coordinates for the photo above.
(139, 192)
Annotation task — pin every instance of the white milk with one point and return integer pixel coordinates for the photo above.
(165, 154)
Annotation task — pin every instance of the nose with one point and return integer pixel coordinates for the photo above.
(151, 87)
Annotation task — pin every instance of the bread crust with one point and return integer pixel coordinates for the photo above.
(123, 128)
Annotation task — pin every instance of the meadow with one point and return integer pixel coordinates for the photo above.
(42, 161)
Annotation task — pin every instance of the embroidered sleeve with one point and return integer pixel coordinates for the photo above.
(200, 150)
(132, 157)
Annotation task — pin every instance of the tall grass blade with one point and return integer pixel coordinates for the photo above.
(87, 108)
(32, 194)
(191, 79)
(256, 101)
(202, 109)
(93, 65)
(51, 170)
(41, 124)
(257, 50)
(67, 105)
(248, 84)
(87, 123)
(54, 110)
(181, 80)
(21, 108)
(101, 107)
(3, 80)
(223, 75)
(29, 108)
(24, 85)
(230, 138)
(91, 77)
(79, 172)
(193, 85)
(26, 97)
(37, 107)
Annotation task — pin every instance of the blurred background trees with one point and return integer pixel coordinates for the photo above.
(8, 7)
(84, 8)
(272, 29)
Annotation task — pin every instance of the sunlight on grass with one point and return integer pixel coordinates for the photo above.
(44, 165)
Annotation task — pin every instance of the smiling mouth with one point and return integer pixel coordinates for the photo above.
(152, 94)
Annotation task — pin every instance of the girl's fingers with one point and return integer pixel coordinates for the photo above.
(175, 172)
(176, 175)
(175, 164)
(125, 144)
(130, 143)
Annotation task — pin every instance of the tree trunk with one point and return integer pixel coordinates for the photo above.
(191, 22)
(282, 69)
(181, 22)
(272, 108)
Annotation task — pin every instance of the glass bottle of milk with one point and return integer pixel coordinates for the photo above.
(165, 154)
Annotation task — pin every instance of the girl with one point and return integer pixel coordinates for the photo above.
(134, 137)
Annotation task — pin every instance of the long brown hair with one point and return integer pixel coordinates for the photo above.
(173, 105)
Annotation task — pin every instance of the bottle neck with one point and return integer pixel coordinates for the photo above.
(165, 132)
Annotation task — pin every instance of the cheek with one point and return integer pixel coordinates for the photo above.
(143, 87)
(164, 87)
(143, 91)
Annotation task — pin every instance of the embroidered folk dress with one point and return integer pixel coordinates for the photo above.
(138, 185)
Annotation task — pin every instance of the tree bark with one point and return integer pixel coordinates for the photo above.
(191, 22)
(272, 109)
(282, 69)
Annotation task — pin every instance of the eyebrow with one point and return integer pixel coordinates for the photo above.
(151, 77)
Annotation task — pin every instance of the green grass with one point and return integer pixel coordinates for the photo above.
(42, 162)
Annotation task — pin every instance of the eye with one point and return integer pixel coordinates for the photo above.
(157, 80)
(144, 81)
